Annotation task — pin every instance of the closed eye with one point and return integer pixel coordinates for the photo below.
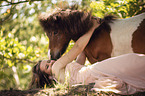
(46, 67)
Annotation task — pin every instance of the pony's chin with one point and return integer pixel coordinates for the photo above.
(55, 57)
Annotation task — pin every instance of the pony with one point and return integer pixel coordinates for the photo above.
(112, 38)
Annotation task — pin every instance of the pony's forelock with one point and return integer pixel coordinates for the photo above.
(76, 22)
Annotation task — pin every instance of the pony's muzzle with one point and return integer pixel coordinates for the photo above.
(53, 55)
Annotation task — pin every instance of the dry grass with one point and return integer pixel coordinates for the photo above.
(61, 90)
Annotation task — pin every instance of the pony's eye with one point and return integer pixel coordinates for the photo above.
(55, 32)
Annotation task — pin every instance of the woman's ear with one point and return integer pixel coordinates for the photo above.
(50, 77)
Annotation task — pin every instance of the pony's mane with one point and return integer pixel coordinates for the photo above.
(105, 25)
(71, 21)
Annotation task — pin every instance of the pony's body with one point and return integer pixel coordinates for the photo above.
(122, 31)
(111, 38)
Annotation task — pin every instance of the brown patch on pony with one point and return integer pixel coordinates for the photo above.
(100, 45)
(138, 40)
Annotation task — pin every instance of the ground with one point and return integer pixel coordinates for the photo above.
(81, 90)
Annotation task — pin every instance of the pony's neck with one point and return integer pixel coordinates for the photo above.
(80, 30)
(75, 37)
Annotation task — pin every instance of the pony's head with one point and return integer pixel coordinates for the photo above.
(63, 26)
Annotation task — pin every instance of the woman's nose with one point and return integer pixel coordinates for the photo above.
(52, 61)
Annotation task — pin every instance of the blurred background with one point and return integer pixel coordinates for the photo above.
(23, 42)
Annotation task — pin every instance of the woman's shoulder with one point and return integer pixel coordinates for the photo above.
(73, 66)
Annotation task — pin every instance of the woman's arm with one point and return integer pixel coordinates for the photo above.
(75, 51)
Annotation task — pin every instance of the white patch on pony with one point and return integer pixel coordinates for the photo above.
(121, 34)
(48, 54)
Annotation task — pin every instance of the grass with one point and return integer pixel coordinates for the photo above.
(62, 90)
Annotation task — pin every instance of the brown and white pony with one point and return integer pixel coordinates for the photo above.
(113, 37)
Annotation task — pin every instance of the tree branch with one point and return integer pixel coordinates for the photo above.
(3, 20)
(10, 3)
(29, 61)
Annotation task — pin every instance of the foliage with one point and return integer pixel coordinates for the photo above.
(23, 41)
(20, 44)
(15, 60)
(121, 8)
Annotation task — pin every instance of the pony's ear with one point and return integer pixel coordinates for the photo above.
(57, 19)
(43, 23)
(43, 20)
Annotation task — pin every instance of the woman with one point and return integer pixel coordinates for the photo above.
(124, 74)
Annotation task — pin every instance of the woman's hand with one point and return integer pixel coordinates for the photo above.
(96, 22)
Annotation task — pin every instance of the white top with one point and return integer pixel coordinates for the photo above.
(124, 74)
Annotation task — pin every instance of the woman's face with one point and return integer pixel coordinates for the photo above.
(46, 65)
